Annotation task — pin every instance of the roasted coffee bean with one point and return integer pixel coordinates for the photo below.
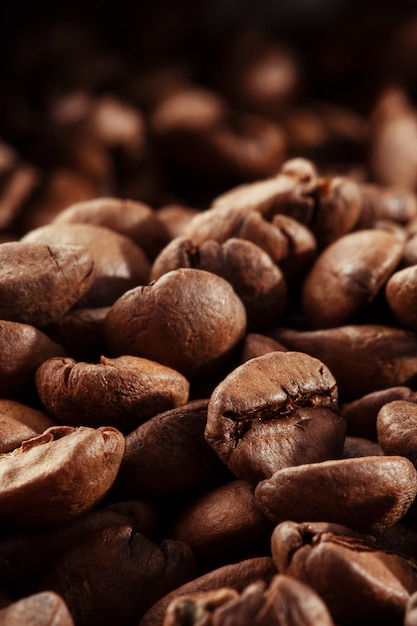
(257, 345)
(40, 283)
(223, 525)
(361, 414)
(367, 493)
(377, 584)
(184, 307)
(286, 600)
(19, 422)
(386, 203)
(235, 575)
(119, 263)
(127, 217)
(141, 573)
(121, 392)
(359, 446)
(400, 292)
(290, 192)
(274, 411)
(363, 358)
(347, 275)
(27, 554)
(338, 209)
(258, 282)
(396, 424)
(59, 474)
(22, 349)
(189, 464)
(290, 244)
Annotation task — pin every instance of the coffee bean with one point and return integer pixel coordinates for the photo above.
(274, 411)
(121, 392)
(184, 307)
(119, 263)
(59, 474)
(40, 283)
(366, 493)
(347, 275)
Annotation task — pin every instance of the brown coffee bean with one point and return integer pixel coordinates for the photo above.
(119, 263)
(236, 575)
(127, 217)
(58, 475)
(19, 422)
(195, 607)
(347, 275)
(400, 293)
(338, 209)
(290, 192)
(141, 573)
(367, 493)
(256, 344)
(22, 349)
(376, 584)
(189, 466)
(396, 424)
(289, 243)
(40, 283)
(386, 203)
(276, 410)
(361, 414)
(258, 282)
(121, 392)
(27, 553)
(223, 525)
(189, 319)
(363, 358)
(287, 598)
(40, 609)
(359, 446)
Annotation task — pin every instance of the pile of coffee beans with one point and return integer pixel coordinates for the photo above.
(208, 316)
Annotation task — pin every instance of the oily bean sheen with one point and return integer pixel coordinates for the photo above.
(58, 475)
(121, 392)
(365, 493)
(189, 319)
(40, 283)
(273, 411)
(347, 275)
